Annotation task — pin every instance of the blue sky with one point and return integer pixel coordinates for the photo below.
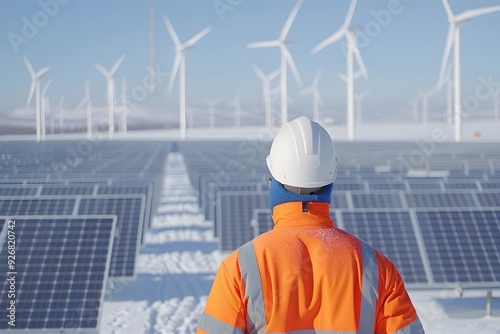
(402, 56)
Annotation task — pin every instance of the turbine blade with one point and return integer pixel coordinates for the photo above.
(308, 90)
(172, 33)
(320, 99)
(42, 72)
(447, 8)
(342, 77)
(273, 74)
(47, 85)
(360, 62)
(30, 95)
(289, 20)
(329, 40)
(469, 14)
(291, 64)
(350, 13)
(29, 67)
(266, 44)
(175, 68)
(117, 64)
(447, 51)
(316, 79)
(197, 37)
(259, 73)
(101, 69)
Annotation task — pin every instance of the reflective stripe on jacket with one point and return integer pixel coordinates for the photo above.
(305, 276)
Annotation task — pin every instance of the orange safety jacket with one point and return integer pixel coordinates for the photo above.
(306, 276)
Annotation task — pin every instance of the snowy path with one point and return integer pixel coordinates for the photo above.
(176, 266)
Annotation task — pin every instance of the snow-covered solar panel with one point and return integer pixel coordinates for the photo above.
(60, 271)
(462, 245)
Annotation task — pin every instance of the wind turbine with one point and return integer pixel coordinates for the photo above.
(266, 91)
(35, 89)
(211, 111)
(453, 40)
(359, 98)
(86, 102)
(317, 100)
(111, 91)
(496, 104)
(425, 97)
(237, 109)
(286, 59)
(124, 105)
(61, 114)
(179, 65)
(352, 53)
(44, 108)
(414, 104)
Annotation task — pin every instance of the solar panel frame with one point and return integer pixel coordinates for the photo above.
(73, 287)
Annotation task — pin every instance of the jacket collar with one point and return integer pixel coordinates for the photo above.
(291, 214)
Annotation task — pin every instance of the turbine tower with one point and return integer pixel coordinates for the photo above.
(425, 97)
(453, 40)
(35, 89)
(44, 108)
(286, 59)
(179, 65)
(352, 54)
(61, 114)
(317, 100)
(266, 91)
(211, 111)
(124, 105)
(359, 98)
(109, 75)
(86, 102)
(237, 110)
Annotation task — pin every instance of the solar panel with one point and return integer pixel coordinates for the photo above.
(144, 188)
(59, 275)
(392, 233)
(424, 184)
(339, 201)
(460, 184)
(381, 200)
(234, 213)
(18, 191)
(462, 245)
(69, 189)
(490, 185)
(130, 212)
(48, 205)
(489, 199)
(444, 200)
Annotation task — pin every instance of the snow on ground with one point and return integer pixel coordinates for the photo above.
(179, 258)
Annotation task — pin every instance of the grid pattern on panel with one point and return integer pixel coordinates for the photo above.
(489, 199)
(18, 191)
(490, 185)
(386, 186)
(36, 206)
(390, 232)
(61, 264)
(371, 201)
(235, 210)
(118, 189)
(443, 200)
(424, 184)
(343, 185)
(70, 189)
(339, 201)
(460, 185)
(462, 245)
(129, 212)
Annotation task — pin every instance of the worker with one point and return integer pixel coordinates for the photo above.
(305, 275)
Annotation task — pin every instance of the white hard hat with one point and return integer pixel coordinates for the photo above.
(302, 155)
